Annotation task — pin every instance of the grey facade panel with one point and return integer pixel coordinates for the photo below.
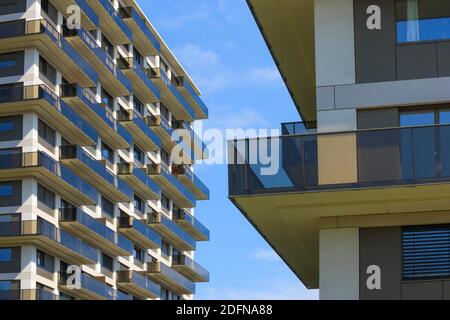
(378, 118)
(443, 53)
(13, 266)
(11, 128)
(325, 98)
(422, 290)
(381, 247)
(12, 6)
(12, 64)
(375, 49)
(417, 61)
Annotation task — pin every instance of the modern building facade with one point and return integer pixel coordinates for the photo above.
(91, 204)
(359, 207)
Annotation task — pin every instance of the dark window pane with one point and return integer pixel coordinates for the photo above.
(6, 255)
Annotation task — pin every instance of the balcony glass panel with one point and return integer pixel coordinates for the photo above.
(116, 17)
(174, 90)
(180, 214)
(176, 229)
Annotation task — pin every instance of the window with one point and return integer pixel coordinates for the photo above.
(6, 125)
(139, 204)
(165, 202)
(47, 70)
(107, 207)
(107, 46)
(5, 255)
(138, 57)
(138, 254)
(47, 133)
(165, 248)
(6, 190)
(45, 261)
(138, 106)
(165, 158)
(423, 20)
(164, 111)
(9, 285)
(107, 262)
(139, 155)
(107, 152)
(50, 10)
(46, 197)
(108, 100)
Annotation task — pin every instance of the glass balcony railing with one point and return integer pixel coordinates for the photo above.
(125, 244)
(88, 12)
(128, 169)
(43, 228)
(193, 180)
(177, 94)
(114, 14)
(131, 13)
(383, 157)
(88, 283)
(174, 228)
(183, 84)
(16, 160)
(178, 185)
(172, 276)
(15, 93)
(137, 279)
(86, 97)
(185, 217)
(142, 228)
(131, 116)
(199, 147)
(77, 215)
(185, 261)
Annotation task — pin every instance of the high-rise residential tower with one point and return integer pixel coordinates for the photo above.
(360, 205)
(93, 204)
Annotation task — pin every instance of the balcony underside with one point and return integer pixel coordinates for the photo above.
(140, 39)
(168, 283)
(199, 113)
(81, 294)
(169, 99)
(166, 138)
(140, 88)
(49, 114)
(50, 246)
(172, 237)
(93, 238)
(108, 79)
(136, 290)
(291, 222)
(86, 22)
(108, 133)
(172, 191)
(98, 182)
(141, 240)
(49, 179)
(71, 71)
(189, 273)
(192, 230)
(199, 194)
(140, 137)
(140, 187)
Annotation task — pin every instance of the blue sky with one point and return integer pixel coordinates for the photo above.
(220, 46)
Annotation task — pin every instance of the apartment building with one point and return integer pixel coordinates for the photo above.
(359, 207)
(92, 205)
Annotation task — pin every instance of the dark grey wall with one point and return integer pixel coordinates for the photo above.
(12, 6)
(378, 118)
(375, 49)
(14, 266)
(12, 64)
(16, 133)
(381, 247)
(16, 198)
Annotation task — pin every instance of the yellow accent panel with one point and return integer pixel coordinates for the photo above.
(288, 27)
(337, 158)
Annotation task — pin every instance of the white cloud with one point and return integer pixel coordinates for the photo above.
(266, 255)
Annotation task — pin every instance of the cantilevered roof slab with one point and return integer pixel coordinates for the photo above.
(288, 28)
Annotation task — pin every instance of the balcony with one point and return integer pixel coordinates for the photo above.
(138, 285)
(110, 75)
(111, 131)
(200, 109)
(170, 95)
(91, 230)
(143, 37)
(39, 165)
(172, 186)
(111, 23)
(163, 129)
(170, 278)
(43, 101)
(21, 35)
(96, 173)
(47, 237)
(196, 148)
(139, 181)
(191, 224)
(87, 288)
(172, 232)
(190, 269)
(139, 232)
(143, 86)
(143, 135)
(89, 19)
(28, 294)
(187, 176)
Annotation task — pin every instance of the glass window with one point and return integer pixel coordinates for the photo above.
(165, 202)
(107, 262)
(423, 20)
(47, 133)
(6, 190)
(138, 106)
(6, 126)
(5, 255)
(47, 70)
(45, 261)
(46, 197)
(107, 207)
(107, 46)
(50, 10)
(165, 248)
(139, 155)
(164, 111)
(107, 153)
(8, 285)
(165, 158)
(138, 254)
(108, 100)
(139, 204)
(138, 57)
(417, 118)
